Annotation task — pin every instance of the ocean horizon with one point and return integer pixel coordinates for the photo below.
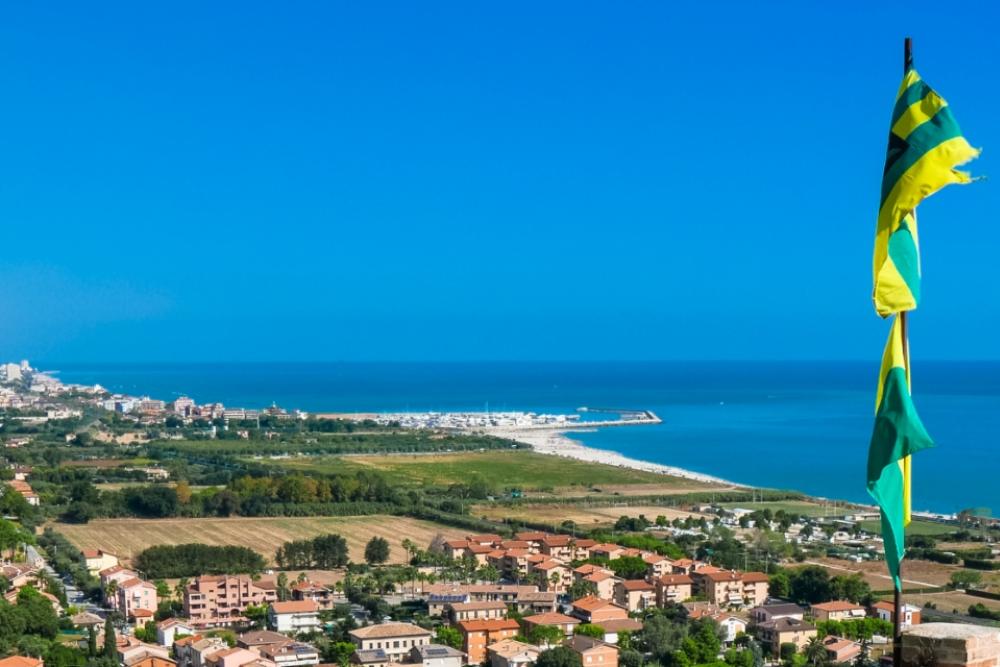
(793, 425)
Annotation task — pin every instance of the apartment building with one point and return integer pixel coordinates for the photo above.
(215, 601)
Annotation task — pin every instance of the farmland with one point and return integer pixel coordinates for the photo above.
(504, 468)
(801, 507)
(917, 527)
(127, 537)
(585, 517)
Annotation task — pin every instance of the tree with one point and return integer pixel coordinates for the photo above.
(448, 636)
(630, 658)
(282, 584)
(780, 585)
(257, 614)
(815, 652)
(581, 589)
(545, 635)
(965, 579)
(811, 584)
(850, 587)
(787, 651)
(110, 643)
(91, 642)
(377, 551)
(661, 637)
(560, 656)
(589, 630)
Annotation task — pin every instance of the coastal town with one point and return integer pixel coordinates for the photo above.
(714, 573)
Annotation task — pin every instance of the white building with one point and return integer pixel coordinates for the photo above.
(294, 616)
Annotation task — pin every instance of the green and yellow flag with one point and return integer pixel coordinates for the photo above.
(925, 146)
(898, 434)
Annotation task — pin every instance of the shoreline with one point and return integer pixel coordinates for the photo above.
(558, 443)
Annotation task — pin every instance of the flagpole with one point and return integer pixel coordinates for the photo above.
(897, 597)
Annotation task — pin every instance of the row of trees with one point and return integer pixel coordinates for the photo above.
(190, 560)
(811, 583)
(284, 495)
(322, 553)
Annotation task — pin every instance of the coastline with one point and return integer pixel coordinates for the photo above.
(557, 443)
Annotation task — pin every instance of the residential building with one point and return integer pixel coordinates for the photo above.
(886, 611)
(841, 651)
(371, 658)
(293, 616)
(594, 652)
(215, 601)
(605, 550)
(260, 640)
(167, 631)
(514, 564)
(729, 588)
(473, 611)
(21, 661)
(396, 639)
(560, 547)
(673, 588)
(657, 566)
(512, 653)
(635, 594)
(477, 635)
(730, 625)
(322, 595)
(455, 549)
(554, 619)
(436, 655)
(151, 661)
(772, 612)
(486, 540)
(194, 651)
(536, 602)
(26, 491)
(233, 657)
(132, 650)
(604, 584)
(593, 609)
(135, 595)
(290, 654)
(838, 610)
(614, 627)
(98, 559)
(555, 575)
(785, 631)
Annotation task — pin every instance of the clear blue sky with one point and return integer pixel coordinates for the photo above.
(298, 181)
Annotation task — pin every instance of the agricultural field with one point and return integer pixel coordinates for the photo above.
(917, 527)
(128, 537)
(584, 517)
(108, 463)
(521, 469)
(916, 573)
(803, 507)
(950, 601)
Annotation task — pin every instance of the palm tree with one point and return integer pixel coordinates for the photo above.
(110, 589)
(815, 652)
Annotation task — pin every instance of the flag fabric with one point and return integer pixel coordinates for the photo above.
(925, 147)
(898, 433)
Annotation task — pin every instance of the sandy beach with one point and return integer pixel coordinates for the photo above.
(558, 443)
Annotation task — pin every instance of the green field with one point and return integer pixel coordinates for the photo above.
(917, 527)
(803, 507)
(503, 468)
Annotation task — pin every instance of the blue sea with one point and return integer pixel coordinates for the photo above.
(798, 425)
